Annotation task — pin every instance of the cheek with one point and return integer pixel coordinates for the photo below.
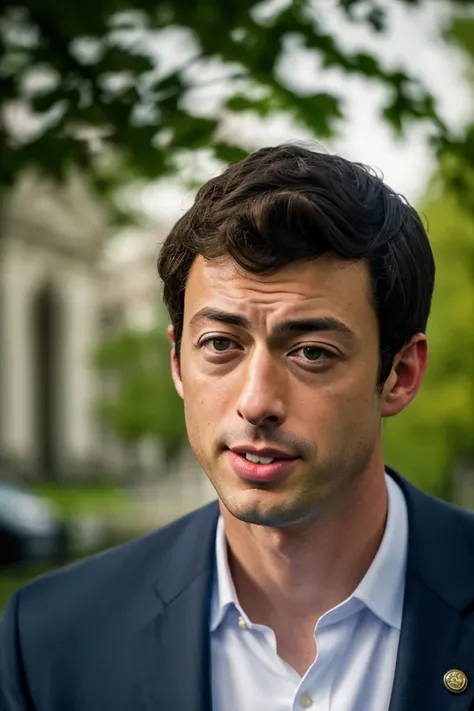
(206, 394)
(347, 406)
(197, 427)
(202, 409)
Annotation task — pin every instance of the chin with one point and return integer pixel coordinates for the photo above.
(257, 508)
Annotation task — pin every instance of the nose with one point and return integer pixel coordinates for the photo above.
(262, 399)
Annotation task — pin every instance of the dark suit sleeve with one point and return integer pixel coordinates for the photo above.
(12, 696)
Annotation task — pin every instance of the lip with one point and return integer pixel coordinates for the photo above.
(262, 452)
(264, 473)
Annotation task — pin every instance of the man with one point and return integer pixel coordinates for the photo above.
(299, 287)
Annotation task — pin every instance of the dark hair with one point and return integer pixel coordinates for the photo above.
(287, 203)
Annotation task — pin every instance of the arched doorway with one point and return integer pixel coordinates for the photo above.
(47, 379)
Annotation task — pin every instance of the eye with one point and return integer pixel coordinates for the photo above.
(312, 354)
(217, 345)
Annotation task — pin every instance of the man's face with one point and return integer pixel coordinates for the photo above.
(284, 365)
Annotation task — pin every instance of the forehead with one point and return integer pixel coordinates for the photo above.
(327, 284)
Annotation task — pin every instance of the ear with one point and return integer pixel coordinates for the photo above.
(175, 364)
(405, 377)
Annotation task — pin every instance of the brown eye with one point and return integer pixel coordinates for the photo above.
(313, 354)
(218, 345)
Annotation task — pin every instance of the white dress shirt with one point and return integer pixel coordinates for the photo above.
(357, 641)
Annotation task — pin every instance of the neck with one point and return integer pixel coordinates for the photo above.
(298, 574)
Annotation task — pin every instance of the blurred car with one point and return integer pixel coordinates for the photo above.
(30, 528)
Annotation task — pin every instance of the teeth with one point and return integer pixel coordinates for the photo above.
(259, 460)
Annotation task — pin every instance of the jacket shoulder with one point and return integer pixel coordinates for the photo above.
(465, 519)
(118, 571)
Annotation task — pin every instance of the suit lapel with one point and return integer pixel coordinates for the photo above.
(434, 639)
(172, 652)
(437, 632)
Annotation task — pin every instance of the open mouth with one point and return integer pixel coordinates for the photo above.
(259, 460)
(259, 467)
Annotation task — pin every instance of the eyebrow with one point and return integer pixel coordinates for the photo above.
(306, 325)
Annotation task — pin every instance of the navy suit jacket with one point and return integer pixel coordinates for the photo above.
(128, 630)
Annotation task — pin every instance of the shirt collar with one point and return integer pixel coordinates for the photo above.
(224, 594)
(382, 587)
(381, 590)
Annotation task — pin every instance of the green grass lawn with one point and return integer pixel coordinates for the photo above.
(72, 501)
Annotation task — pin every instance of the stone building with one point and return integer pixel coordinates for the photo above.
(51, 239)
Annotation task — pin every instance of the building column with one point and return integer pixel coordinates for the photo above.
(16, 401)
(80, 328)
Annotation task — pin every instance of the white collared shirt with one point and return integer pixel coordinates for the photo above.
(357, 641)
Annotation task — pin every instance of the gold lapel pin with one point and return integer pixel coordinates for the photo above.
(455, 681)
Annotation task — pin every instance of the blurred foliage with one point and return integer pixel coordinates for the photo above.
(435, 435)
(143, 402)
(457, 153)
(436, 432)
(88, 72)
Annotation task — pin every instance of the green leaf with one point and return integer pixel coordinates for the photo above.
(229, 154)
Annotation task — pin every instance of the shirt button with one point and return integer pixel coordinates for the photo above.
(242, 624)
(306, 701)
